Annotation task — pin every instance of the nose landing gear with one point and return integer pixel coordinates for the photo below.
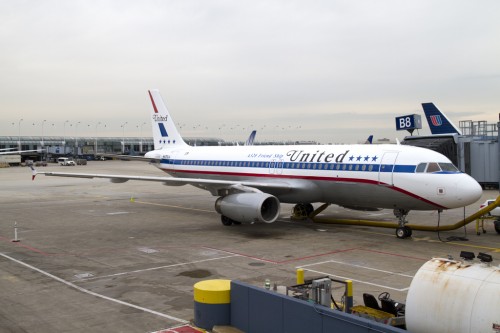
(402, 231)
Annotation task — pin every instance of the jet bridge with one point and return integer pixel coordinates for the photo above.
(476, 152)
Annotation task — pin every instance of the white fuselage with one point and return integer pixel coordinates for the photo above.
(364, 176)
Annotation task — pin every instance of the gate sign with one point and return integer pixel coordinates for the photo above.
(409, 123)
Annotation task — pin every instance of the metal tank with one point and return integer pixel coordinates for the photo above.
(454, 296)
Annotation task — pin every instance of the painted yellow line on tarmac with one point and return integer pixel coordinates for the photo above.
(173, 206)
(494, 249)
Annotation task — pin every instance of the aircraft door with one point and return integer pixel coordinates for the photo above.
(276, 167)
(385, 173)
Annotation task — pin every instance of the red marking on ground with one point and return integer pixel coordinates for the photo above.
(317, 255)
(25, 246)
(181, 329)
(283, 261)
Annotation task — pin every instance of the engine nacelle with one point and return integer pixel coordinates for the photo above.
(249, 207)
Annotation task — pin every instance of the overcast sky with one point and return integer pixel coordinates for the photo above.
(331, 71)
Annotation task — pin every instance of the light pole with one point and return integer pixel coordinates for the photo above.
(43, 143)
(19, 128)
(140, 147)
(76, 138)
(95, 143)
(123, 136)
(64, 137)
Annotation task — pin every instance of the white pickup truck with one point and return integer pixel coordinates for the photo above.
(66, 161)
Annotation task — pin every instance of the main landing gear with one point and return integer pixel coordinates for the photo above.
(302, 211)
(402, 231)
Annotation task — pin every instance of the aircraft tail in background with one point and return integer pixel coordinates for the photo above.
(369, 140)
(251, 138)
(438, 122)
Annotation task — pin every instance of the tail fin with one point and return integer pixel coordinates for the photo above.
(369, 140)
(437, 121)
(251, 138)
(165, 133)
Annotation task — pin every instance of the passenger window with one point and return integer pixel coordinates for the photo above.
(433, 167)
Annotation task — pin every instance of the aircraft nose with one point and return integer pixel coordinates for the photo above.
(468, 190)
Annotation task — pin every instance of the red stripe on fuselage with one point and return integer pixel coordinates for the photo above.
(330, 179)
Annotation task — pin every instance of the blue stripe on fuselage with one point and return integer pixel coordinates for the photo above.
(352, 167)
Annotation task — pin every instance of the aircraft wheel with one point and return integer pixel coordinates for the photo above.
(226, 220)
(408, 231)
(401, 232)
(497, 226)
(299, 211)
(309, 208)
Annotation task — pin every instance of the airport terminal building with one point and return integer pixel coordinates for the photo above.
(86, 147)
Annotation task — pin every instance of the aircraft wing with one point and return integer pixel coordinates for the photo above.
(19, 151)
(130, 158)
(209, 184)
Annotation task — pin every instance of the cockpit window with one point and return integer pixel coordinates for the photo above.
(433, 167)
(421, 167)
(436, 167)
(448, 167)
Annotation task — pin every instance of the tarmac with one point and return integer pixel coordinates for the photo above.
(102, 257)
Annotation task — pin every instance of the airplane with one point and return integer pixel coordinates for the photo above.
(251, 181)
(438, 122)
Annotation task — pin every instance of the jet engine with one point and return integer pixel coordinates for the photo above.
(249, 207)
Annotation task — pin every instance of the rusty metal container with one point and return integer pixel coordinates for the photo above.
(454, 296)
